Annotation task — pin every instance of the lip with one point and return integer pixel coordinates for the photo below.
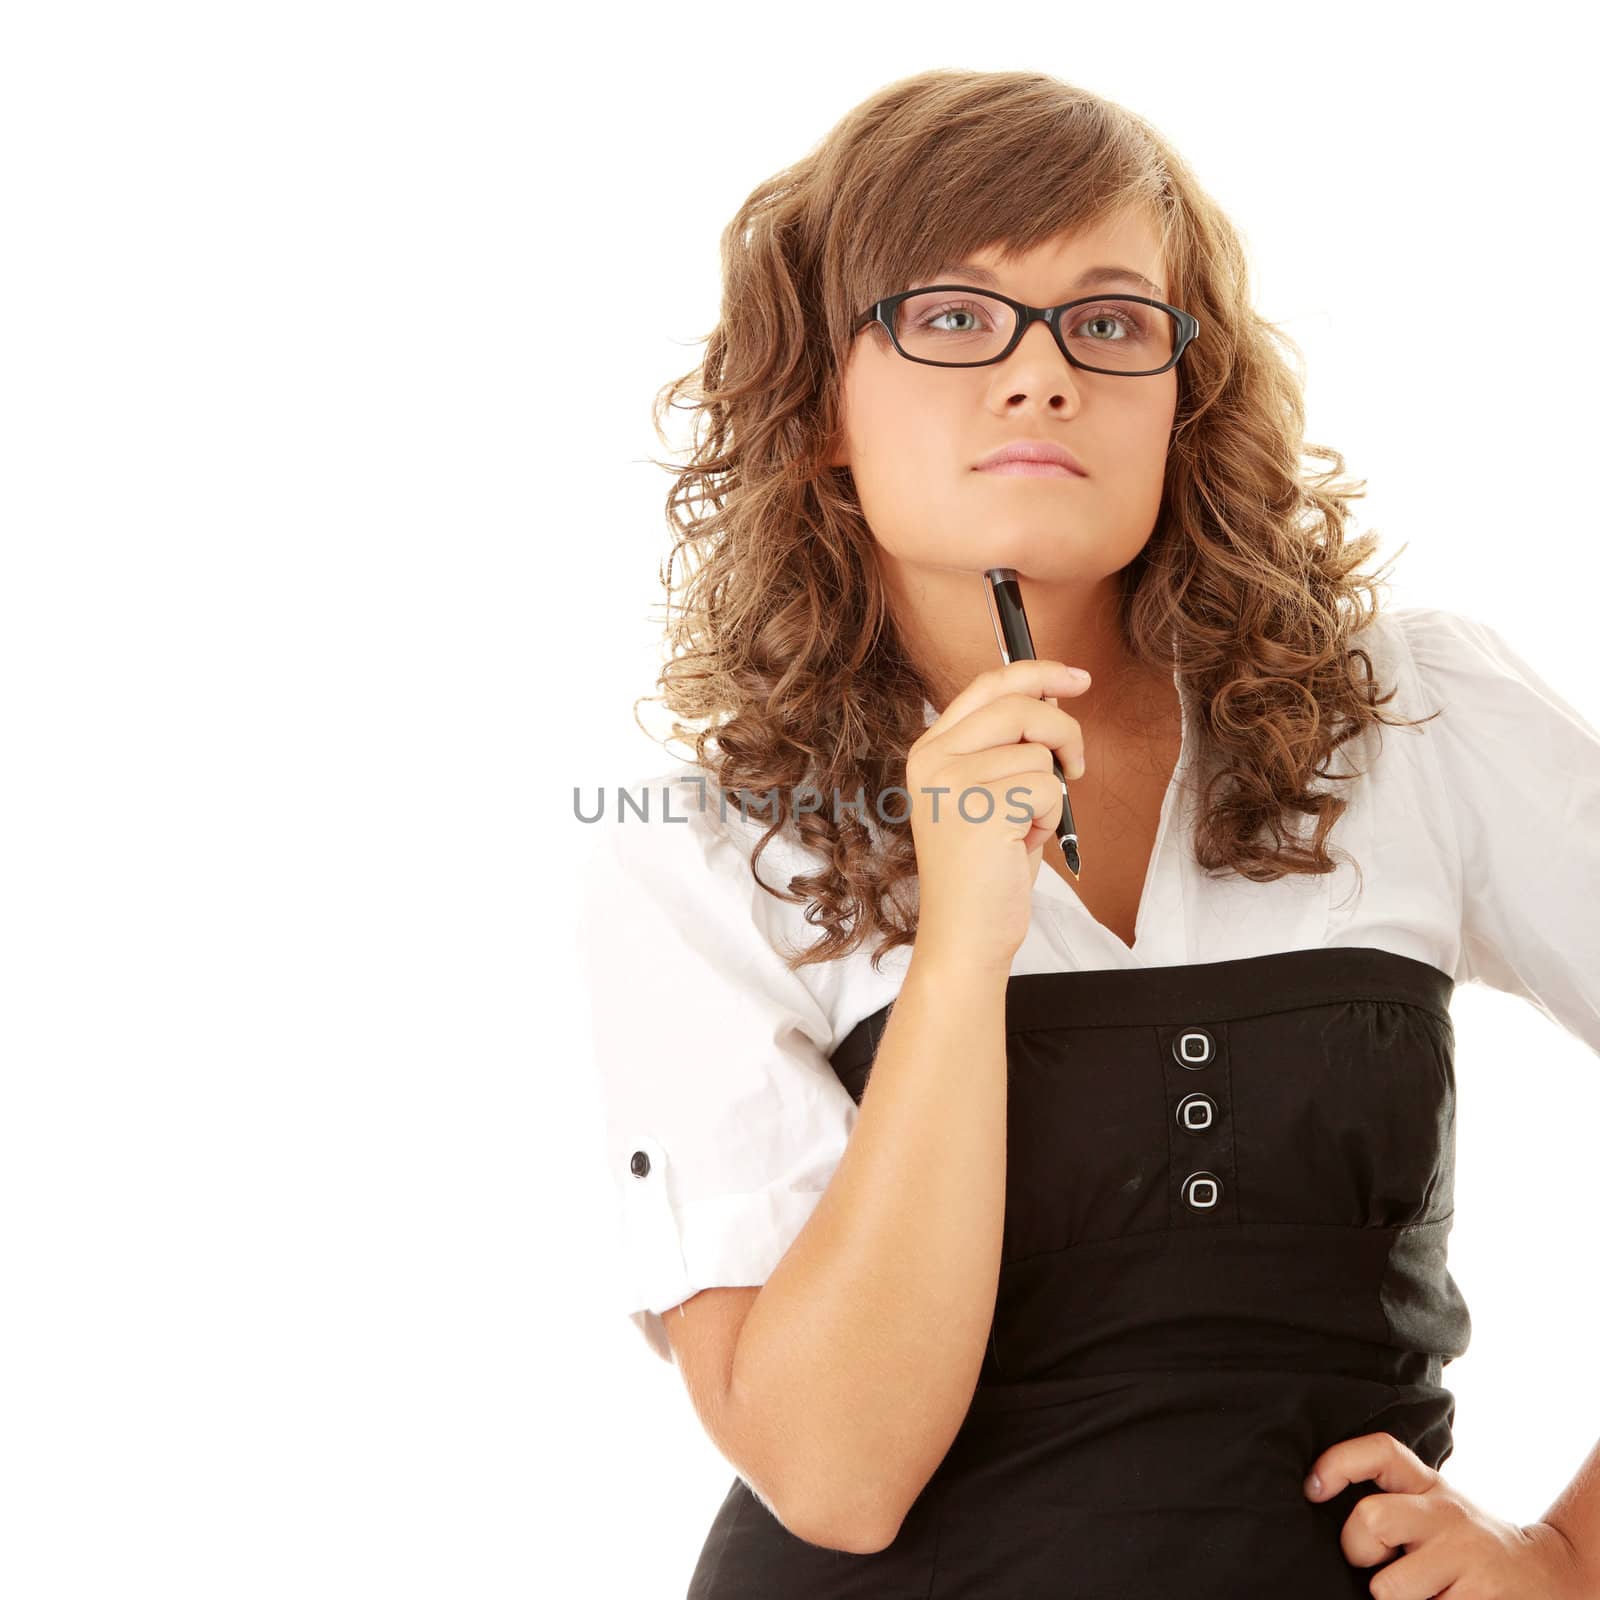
(1032, 458)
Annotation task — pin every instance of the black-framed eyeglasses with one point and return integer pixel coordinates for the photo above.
(953, 325)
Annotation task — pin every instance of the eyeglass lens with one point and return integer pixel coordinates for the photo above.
(964, 328)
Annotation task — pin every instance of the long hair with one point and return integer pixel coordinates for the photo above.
(784, 663)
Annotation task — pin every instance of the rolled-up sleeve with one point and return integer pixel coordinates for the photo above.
(723, 1118)
(1520, 769)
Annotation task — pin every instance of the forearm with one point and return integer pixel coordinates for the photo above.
(861, 1353)
(1576, 1516)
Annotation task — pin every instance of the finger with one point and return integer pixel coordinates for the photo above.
(1035, 678)
(1423, 1571)
(1380, 1457)
(999, 762)
(969, 791)
(1030, 791)
(1012, 719)
(1380, 1524)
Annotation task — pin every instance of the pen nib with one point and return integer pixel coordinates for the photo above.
(1069, 849)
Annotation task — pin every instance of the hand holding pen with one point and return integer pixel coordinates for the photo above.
(977, 789)
(1003, 591)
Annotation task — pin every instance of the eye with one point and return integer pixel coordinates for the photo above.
(1114, 317)
(953, 308)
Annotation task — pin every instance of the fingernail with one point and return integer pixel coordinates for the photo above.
(1077, 674)
(1313, 1486)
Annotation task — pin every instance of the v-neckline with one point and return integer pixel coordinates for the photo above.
(1049, 885)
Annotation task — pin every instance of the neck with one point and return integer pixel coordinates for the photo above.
(944, 624)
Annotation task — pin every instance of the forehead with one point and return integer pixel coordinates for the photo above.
(1092, 256)
(1101, 275)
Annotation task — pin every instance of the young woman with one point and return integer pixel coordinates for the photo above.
(1021, 1232)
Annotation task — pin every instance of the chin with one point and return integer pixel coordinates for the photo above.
(1046, 554)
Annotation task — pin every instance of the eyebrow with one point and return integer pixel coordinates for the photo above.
(1092, 278)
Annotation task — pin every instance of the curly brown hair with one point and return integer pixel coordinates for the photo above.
(784, 659)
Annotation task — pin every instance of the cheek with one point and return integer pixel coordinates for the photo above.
(1142, 443)
(901, 450)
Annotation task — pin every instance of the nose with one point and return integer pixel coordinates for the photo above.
(1038, 365)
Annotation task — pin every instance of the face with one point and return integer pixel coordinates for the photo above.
(913, 433)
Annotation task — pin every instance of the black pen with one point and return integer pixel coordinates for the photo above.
(1004, 594)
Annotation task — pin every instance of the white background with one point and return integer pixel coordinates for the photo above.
(331, 549)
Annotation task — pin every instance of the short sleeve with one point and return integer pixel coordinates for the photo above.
(723, 1117)
(1521, 775)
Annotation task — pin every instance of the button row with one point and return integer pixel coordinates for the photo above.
(1197, 1113)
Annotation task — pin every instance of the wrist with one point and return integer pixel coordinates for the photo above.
(1575, 1578)
(952, 969)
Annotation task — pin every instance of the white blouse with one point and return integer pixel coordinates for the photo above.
(1477, 834)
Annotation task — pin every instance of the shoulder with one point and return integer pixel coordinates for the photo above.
(1441, 643)
(671, 840)
(1456, 698)
(1509, 753)
(676, 903)
(1432, 657)
(1460, 660)
(1404, 641)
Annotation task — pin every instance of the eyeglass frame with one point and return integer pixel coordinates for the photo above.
(881, 312)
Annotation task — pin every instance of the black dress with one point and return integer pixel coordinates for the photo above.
(1229, 1187)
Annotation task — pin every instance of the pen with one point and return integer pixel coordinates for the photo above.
(1004, 595)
